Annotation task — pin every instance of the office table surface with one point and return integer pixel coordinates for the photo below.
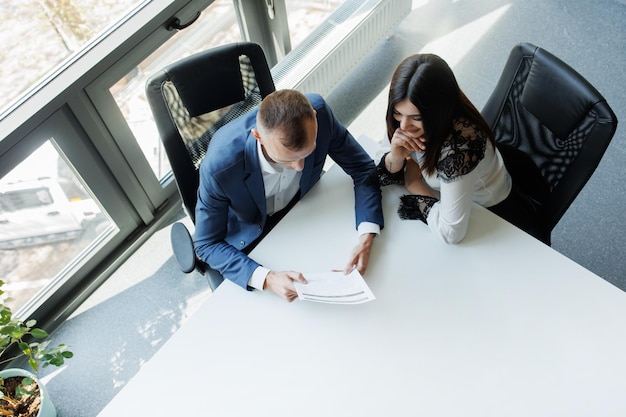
(498, 325)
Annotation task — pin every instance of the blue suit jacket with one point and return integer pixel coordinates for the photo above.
(231, 213)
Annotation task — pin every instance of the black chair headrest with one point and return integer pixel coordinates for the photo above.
(210, 82)
(571, 96)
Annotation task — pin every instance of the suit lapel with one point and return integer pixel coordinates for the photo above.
(254, 177)
(307, 172)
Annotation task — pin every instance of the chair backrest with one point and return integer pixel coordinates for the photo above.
(544, 108)
(192, 98)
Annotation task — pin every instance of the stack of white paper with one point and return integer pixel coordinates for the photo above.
(335, 288)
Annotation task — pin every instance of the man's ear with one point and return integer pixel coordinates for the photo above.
(256, 135)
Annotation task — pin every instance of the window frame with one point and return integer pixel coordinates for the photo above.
(74, 102)
(61, 107)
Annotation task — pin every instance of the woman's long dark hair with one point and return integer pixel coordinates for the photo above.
(429, 83)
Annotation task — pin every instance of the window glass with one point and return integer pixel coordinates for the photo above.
(217, 25)
(48, 219)
(305, 15)
(38, 35)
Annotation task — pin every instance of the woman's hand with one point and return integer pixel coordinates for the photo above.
(402, 144)
(405, 142)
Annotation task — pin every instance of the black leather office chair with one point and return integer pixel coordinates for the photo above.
(190, 100)
(552, 127)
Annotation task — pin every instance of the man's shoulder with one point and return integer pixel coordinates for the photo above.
(226, 148)
(317, 101)
(323, 110)
(220, 161)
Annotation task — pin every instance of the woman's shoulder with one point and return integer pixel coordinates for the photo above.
(465, 135)
(465, 130)
(462, 151)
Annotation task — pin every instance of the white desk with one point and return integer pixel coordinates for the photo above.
(499, 325)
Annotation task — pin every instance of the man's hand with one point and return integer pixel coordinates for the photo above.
(360, 254)
(281, 282)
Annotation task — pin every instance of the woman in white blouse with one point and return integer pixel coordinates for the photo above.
(442, 150)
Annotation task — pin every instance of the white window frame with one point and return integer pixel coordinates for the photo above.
(74, 106)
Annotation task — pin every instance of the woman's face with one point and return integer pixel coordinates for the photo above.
(409, 118)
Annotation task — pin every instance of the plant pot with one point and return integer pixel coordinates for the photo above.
(47, 408)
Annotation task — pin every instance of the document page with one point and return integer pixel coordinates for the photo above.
(335, 288)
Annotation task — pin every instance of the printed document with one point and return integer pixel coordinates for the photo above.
(335, 288)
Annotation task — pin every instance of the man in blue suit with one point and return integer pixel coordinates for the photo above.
(257, 166)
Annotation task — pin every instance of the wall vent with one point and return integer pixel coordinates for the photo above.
(338, 45)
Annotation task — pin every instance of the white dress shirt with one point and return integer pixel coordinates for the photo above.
(487, 184)
(281, 185)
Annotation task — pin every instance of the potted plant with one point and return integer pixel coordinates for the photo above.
(21, 393)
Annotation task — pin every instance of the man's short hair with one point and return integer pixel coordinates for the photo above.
(284, 112)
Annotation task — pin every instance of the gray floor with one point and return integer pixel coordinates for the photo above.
(475, 37)
(130, 317)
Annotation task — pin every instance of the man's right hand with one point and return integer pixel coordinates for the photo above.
(281, 283)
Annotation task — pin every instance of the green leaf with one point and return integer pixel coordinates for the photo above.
(4, 341)
(14, 330)
(8, 329)
(24, 347)
(23, 390)
(5, 315)
(57, 361)
(39, 334)
(33, 364)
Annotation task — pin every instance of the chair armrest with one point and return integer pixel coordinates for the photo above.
(182, 245)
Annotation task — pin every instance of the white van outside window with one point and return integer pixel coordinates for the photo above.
(36, 212)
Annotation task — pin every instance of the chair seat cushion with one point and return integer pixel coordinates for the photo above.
(525, 175)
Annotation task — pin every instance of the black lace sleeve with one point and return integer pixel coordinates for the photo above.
(387, 178)
(461, 152)
(415, 207)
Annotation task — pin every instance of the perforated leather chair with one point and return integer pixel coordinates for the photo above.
(190, 100)
(552, 127)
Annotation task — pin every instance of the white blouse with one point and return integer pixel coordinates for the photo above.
(469, 170)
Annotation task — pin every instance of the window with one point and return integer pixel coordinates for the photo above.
(45, 34)
(52, 224)
(46, 220)
(82, 171)
(203, 34)
(305, 15)
(129, 93)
